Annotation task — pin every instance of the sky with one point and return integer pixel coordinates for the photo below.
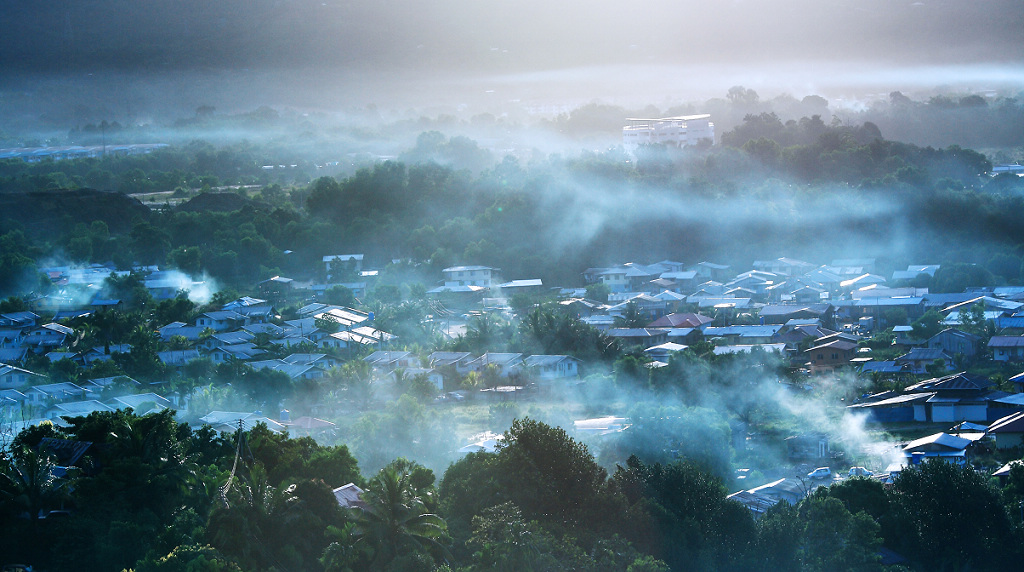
(310, 53)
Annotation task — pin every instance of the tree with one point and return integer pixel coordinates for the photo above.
(598, 292)
(836, 539)
(930, 502)
(927, 325)
(28, 484)
(632, 317)
(339, 295)
(551, 476)
(395, 521)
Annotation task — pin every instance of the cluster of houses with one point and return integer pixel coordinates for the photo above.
(815, 314)
(955, 446)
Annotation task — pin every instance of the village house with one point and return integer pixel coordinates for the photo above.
(75, 409)
(337, 265)
(455, 361)
(387, 362)
(1008, 431)
(141, 403)
(507, 364)
(827, 357)
(1007, 348)
(480, 276)
(548, 367)
(687, 320)
(951, 398)
(12, 377)
(323, 361)
(50, 393)
(918, 360)
(221, 321)
(639, 337)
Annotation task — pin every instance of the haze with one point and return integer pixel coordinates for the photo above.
(167, 57)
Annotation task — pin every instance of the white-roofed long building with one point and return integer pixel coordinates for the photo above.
(680, 131)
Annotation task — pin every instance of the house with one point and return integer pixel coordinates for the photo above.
(292, 370)
(309, 426)
(19, 320)
(1018, 382)
(276, 286)
(54, 393)
(48, 336)
(178, 358)
(481, 276)
(711, 271)
(221, 321)
(615, 279)
(11, 403)
(683, 280)
(861, 281)
(507, 363)
(828, 356)
(103, 353)
(389, 361)
(720, 303)
(323, 361)
(646, 305)
(547, 367)
(746, 349)
(914, 270)
(681, 321)
(865, 264)
(948, 399)
(937, 446)
(230, 421)
(743, 334)
(190, 333)
(11, 338)
(678, 131)
(12, 377)
(1003, 473)
(877, 308)
(242, 352)
(349, 496)
(141, 403)
(361, 336)
(457, 361)
(782, 313)
(641, 337)
(1008, 430)
(1007, 348)
(953, 341)
(918, 360)
(226, 339)
(431, 375)
(664, 352)
(94, 388)
(75, 409)
(528, 285)
(784, 266)
(337, 265)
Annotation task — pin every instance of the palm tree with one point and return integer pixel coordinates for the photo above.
(28, 483)
(395, 519)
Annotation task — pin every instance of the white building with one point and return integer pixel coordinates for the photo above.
(482, 276)
(680, 131)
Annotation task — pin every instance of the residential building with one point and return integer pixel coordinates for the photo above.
(679, 131)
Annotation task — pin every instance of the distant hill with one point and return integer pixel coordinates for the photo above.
(53, 212)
